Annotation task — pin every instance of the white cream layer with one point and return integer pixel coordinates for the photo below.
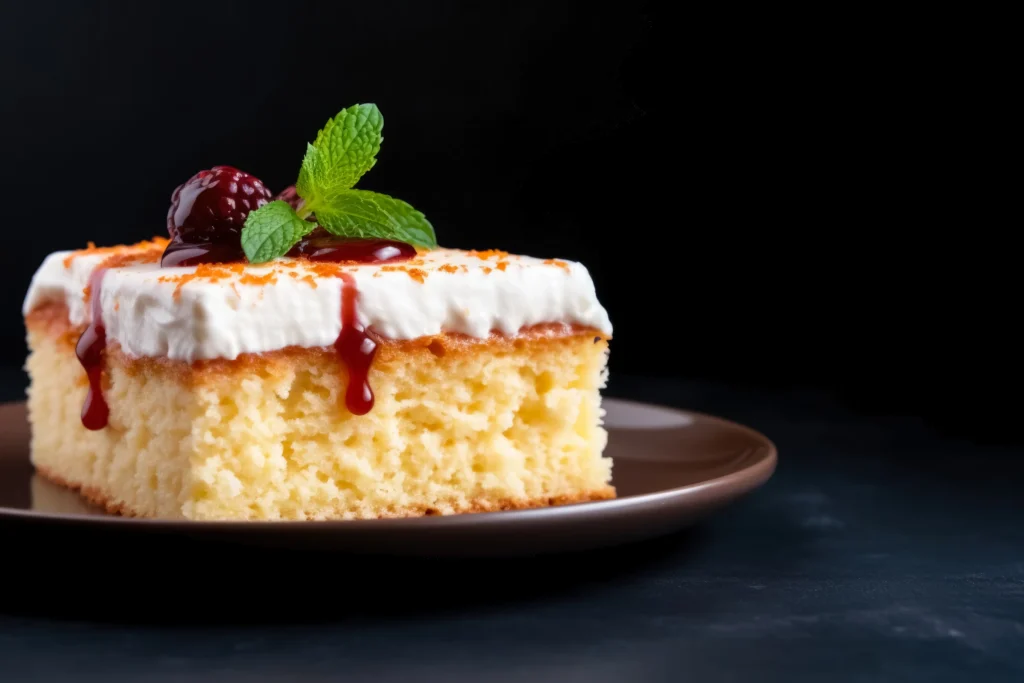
(226, 318)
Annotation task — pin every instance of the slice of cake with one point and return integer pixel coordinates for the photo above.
(314, 356)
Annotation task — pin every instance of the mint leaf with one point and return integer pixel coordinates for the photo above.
(344, 149)
(361, 213)
(306, 185)
(271, 230)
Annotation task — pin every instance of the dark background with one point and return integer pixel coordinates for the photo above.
(761, 200)
(799, 220)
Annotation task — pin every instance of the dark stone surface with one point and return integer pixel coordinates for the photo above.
(882, 550)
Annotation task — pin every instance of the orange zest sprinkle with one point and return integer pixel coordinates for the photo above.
(490, 253)
(214, 271)
(266, 279)
(555, 262)
(124, 259)
(486, 270)
(307, 278)
(417, 274)
(502, 265)
(157, 244)
(449, 268)
(325, 269)
(204, 271)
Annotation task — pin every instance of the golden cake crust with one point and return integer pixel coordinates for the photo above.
(96, 497)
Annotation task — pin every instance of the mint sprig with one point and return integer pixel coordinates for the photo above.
(344, 149)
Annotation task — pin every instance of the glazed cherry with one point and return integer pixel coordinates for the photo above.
(212, 206)
(290, 196)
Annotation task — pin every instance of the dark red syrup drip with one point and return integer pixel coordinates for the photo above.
(89, 350)
(181, 253)
(320, 245)
(355, 347)
(356, 350)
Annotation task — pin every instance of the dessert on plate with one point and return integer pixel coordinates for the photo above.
(314, 355)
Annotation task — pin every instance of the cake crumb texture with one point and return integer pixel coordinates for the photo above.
(461, 427)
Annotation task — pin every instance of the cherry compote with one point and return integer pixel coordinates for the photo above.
(320, 245)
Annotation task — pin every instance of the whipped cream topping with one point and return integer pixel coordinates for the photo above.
(197, 313)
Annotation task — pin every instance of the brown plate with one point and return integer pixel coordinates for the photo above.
(671, 467)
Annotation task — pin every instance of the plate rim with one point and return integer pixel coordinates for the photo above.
(736, 483)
